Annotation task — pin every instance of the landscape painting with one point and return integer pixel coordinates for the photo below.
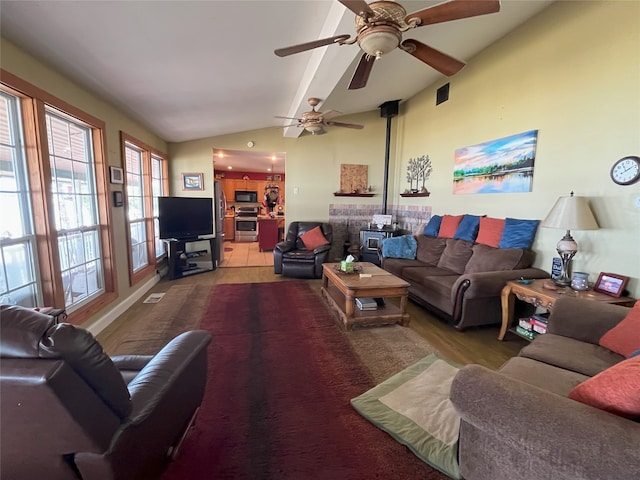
(504, 165)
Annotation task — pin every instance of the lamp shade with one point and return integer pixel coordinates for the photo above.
(571, 213)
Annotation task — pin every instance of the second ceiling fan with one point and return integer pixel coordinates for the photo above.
(379, 28)
(314, 121)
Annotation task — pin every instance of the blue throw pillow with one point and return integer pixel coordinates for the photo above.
(468, 228)
(405, 246)
(433, 227)
(518, 233)
(634, 354)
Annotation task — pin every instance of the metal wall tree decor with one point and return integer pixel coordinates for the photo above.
(418, 171)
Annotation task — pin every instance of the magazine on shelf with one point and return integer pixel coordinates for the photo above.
(369, 303)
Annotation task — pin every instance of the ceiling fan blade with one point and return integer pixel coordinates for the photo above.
(288, 118)
(330, 114)
(442, 62)
(348, 125)
(454, 10)
(363, 70)
(302, 47)
(359, 7)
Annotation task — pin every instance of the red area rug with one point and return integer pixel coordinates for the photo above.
(281, 375)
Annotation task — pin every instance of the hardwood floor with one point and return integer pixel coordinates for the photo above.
(476, 345)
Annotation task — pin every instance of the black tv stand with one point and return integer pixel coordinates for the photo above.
(183, 263)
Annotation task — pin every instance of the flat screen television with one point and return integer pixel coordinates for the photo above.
(185, 217)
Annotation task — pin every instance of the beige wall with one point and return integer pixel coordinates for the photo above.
(26, 67)
(312, 161)
(572, 73)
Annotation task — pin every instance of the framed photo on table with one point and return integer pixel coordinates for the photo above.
(610, 284)
(192, 181)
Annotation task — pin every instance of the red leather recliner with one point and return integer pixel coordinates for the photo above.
(68, 411)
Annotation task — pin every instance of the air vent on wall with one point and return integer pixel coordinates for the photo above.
(442, 94)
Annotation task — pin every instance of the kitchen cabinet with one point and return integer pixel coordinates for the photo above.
(229, 228)
(228, 187)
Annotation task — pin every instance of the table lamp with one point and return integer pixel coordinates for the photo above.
(569, 213)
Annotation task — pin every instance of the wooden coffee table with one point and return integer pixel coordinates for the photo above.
(340, 290)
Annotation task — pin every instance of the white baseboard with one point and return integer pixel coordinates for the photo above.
(103, 322)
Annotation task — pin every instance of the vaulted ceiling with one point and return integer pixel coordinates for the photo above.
(195, 69)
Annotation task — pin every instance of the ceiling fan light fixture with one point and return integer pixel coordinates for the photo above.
(314, 128)
(378, 41)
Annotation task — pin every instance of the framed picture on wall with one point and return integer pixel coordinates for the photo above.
(116, 175)
(277, 178)
(192, 181)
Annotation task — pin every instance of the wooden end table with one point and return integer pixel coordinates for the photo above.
(537, 295)
(340, 290)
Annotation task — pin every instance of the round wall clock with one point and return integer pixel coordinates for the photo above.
(626, 171)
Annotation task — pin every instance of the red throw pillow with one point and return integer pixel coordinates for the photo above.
(490, 232)
(624, 338)
(313, 238)
(615, 390)
(449, 225)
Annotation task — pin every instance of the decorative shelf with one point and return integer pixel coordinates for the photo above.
(337, 194)
(419, 194)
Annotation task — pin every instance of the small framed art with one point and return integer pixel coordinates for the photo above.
(192, 181)
(610, 284)
(277, 178)
(116, 174)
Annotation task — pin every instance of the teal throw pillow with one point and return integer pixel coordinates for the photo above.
(468, 228)
(405, 246)
(518, 233)
(433, 227)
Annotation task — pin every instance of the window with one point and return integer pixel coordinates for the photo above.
(19, 280)
(56, 244)
(145, 181)
(157, 190)
(73, 189)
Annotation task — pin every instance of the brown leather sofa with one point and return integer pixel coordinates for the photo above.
(292, 259)
(68, 411)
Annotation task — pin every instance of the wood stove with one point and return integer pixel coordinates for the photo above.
(371, 240)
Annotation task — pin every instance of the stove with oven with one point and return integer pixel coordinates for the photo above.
(246, 220)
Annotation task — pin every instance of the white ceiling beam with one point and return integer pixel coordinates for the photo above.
(326, 65)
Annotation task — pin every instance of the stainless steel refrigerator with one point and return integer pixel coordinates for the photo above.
(219, 210)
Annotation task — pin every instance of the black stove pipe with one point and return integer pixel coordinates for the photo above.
(388, 110)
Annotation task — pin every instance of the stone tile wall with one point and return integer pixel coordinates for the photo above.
(348, 219)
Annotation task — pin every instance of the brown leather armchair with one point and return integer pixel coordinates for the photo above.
(68, 411)
(292, 259)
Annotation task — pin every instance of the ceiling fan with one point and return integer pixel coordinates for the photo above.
(314, 121)
(379, 27)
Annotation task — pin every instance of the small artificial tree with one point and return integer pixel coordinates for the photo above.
(419, 169)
